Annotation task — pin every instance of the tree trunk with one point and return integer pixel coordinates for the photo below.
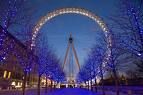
(39, 81)
(95, 85)
(91, 84)
(116, 81)
(54, 83)
(102, 80)
(46, 86)
(85, 84)
(103, 90)
(88, 85)
(24, 82)
(51, 84)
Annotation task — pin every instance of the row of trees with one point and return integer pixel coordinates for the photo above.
(48, 63)
(15, 17)
(126, 29)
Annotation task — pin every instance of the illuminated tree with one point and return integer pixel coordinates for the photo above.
(138, 71)
(13, 12)
(98, 55)
(93, 66)
(84, 75)
(42, 64)
(48, 63)
(129, 21)
(5, 49)
(11, 46)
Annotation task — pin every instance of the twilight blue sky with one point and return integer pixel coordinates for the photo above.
(56, 31)
(85, 32)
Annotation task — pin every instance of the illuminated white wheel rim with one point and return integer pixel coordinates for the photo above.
(80, 11)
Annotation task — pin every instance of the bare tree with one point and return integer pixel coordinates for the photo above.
(14, 12)
(129, 21)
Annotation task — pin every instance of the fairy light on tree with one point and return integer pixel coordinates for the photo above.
(5, 48)
(129, 19)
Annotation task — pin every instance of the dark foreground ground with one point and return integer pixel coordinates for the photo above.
(63, 91)
(77, 91)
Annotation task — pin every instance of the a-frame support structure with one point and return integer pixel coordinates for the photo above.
(69, 49)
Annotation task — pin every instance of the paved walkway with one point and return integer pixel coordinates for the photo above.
(64, 91)
(71, 91)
